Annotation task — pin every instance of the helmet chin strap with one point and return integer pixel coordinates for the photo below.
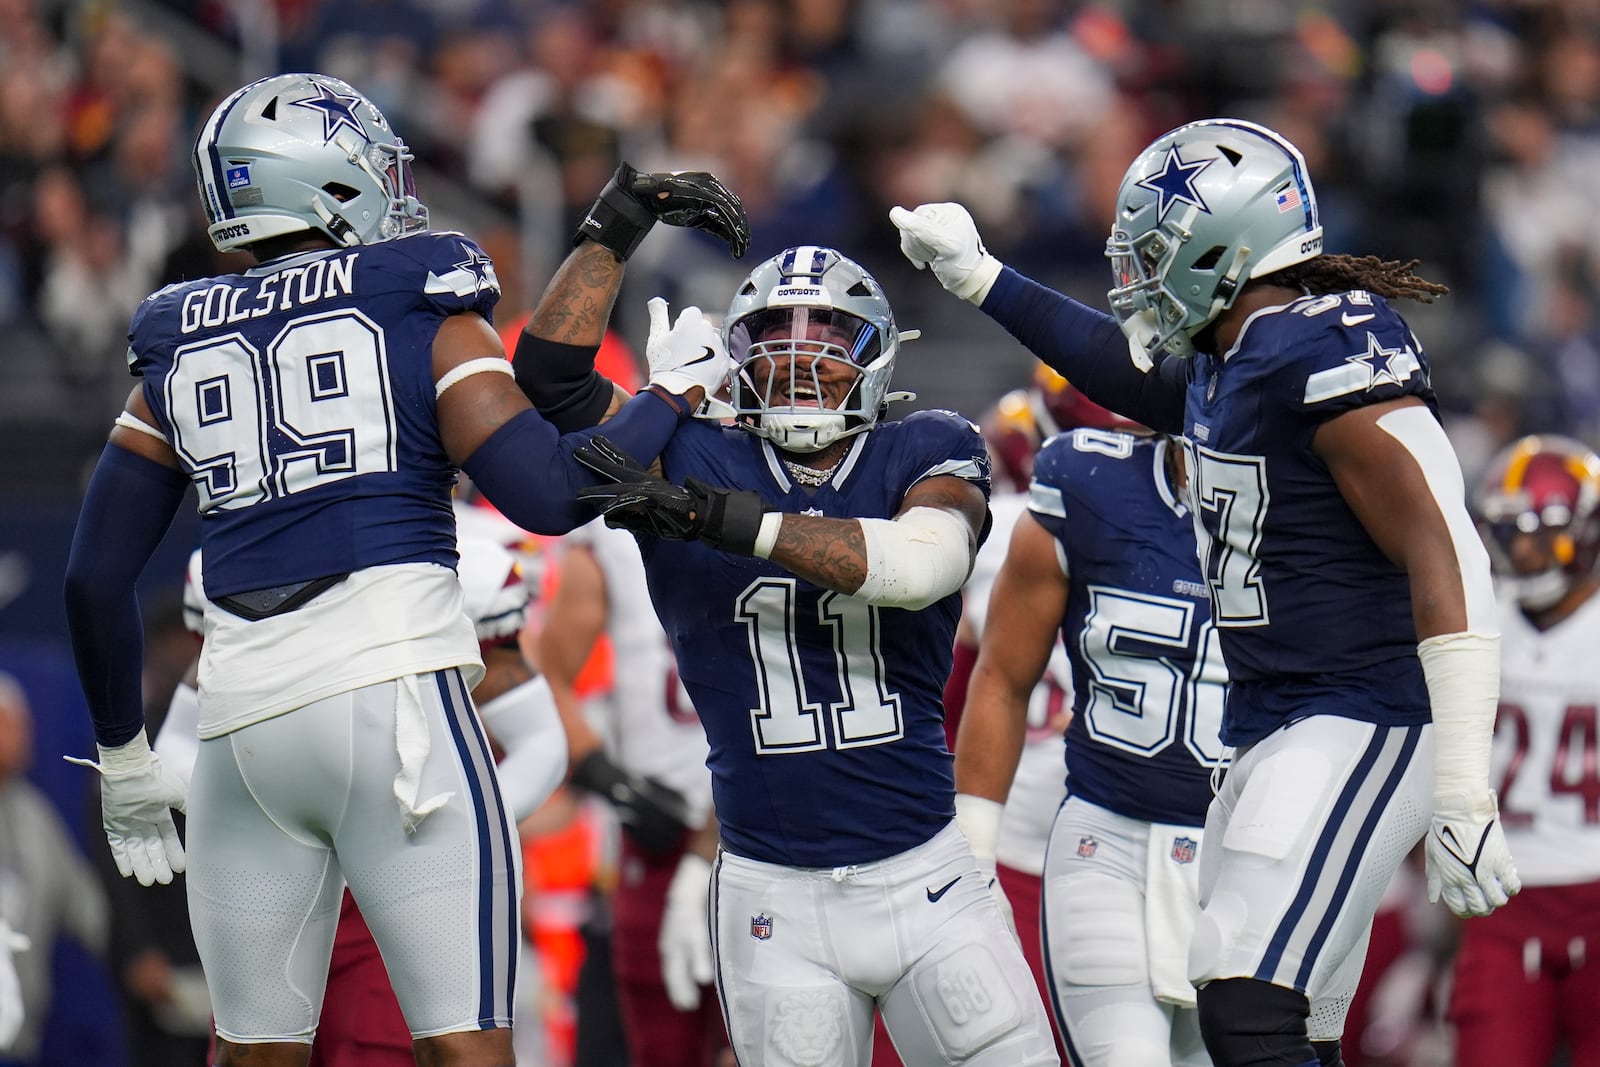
(337, 224)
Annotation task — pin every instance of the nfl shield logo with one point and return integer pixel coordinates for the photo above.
(1183, 849)
(761, 927)
(238, 177)
(1087, 846)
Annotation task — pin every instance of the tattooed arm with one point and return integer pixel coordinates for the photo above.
(923, 554)
(576, 305)
(554, 361)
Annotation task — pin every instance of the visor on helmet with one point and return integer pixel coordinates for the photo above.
(805, 331)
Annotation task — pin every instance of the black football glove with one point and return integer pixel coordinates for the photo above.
(631, 203)
(726, 519)
(655, 815)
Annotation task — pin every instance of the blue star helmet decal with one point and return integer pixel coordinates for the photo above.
(476, 264)
(337, 111)
(1174, 183)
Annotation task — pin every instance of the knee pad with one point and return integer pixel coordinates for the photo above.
(1249, 1023)
(968, 1000)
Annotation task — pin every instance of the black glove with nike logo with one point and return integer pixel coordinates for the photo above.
(631, 203)
(636, 500)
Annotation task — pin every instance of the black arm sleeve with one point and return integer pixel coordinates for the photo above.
(532, 476)
(129, 504)
(1087, 348)
(560, 382)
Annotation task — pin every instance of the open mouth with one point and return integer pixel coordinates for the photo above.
(803, 395)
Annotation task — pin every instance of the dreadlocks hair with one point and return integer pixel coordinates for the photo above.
(1389, 278)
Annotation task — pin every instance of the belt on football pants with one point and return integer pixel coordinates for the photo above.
(258, 604)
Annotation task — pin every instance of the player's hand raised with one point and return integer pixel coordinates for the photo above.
(138, 794)
(1469, 864)
(689, 353)
(944, 238)
(632, 201)
(638, 501)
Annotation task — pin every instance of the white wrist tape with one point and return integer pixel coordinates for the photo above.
(916, 559)
(975, 289)
(1415, 427)
(1463, 673)
(127, 759)
(767, 536)
(979, 819)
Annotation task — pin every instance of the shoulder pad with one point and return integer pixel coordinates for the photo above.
(449, 267)
(1343, 350)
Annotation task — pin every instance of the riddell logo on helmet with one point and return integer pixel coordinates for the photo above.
(1312, 245)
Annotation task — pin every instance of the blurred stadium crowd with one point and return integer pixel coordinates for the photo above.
(1463, 134)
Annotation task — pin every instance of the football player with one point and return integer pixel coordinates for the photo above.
(361, 1023)
(1015, 427)
(320, 403)
(661, 953)
(808, 576)
(1351, 596)
(1526, 978)
(1105, 557)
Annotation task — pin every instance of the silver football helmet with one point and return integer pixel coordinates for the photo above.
(304, 152)
(1203, 210)
(797, 315)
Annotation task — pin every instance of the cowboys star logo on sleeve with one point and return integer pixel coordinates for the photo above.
(1364, 370)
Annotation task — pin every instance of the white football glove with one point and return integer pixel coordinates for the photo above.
(10, 987)
(1469, 864)
(685, 938)
(688, 354)
(979, 819)
(137, 795)
(944, 237)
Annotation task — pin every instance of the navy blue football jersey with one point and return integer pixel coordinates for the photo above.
(1147, 673)
(1314, 618)
(824, 713)
(299, 397)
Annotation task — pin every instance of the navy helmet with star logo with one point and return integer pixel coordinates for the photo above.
(1202, 210)
(303, 152)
